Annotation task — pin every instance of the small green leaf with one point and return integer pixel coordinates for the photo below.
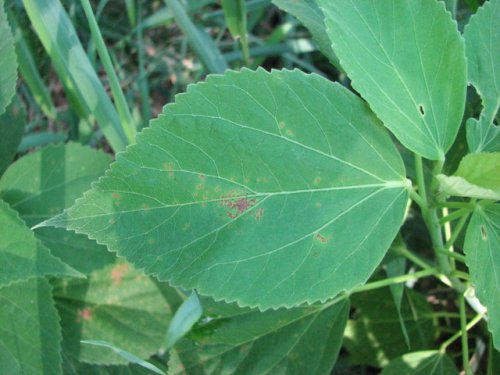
(431, 362)
(30, 339)
(185, 317)
(374, 337)
(394, 268)
(41, 184)
(272, 189)
(477, 176)
(241, 341)
(24, 256)
(11, 132)
(310, 14)
(118, 305)
(8, 62)
(407, 59)
(482, 47)
(482, 255)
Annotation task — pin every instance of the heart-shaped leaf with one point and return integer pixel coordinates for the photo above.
(272, 189)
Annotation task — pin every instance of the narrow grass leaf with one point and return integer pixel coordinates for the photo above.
(482, 47)
(8, 62)
(29, 70)
(201, 43)
(126, 355)
(236, 20)
(58, 36)
(407, 59)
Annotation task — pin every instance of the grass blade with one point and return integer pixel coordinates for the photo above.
(200, 42)
(120, 101)
(236, 20)
(58, 36)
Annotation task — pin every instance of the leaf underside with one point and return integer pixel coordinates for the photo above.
(271, 189)
(407, 59)
(482, 47)
(482, 255)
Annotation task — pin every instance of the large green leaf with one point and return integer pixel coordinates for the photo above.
(407, 59)
(117, 304)
(42, 184)
(482, 255)
(430, 362)
(374, 336)
(242, 341)
(309, 13)
(482, 47)
(272, 189)
(11, 132)
(22, 255)
(8, 62)
(30, 336)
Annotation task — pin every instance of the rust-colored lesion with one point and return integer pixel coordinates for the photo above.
(84, 314)
(118, 272)
(323, 239)
(236, 204)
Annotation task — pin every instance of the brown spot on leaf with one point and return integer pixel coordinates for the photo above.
(116, 195)
(145, 206)
(202, 176)
(118, 272)
(236, 205)
(317, 180)
(85, 314)
(322, 239)
(200, 187)
(282, 125)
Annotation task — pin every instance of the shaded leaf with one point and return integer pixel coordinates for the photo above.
(482, 48)
(22, 255)
(11, 131)
(8, 62)
(242, 341)
(118, 305)
(272, 189)
(30, 336)
(482, 255)
(42, 184)
(310, 14)
(407, 59)
(397, 267)
(374, 337)
(460, 187)
(431, 362)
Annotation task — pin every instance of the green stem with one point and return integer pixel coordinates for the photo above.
(412, 257)
(458, 214)
(429, 214)
(451, 254)
(394, 280)
(457, 229)
(458, 334)
(417, 198)
(455, 205)
(116, 90)
(463, 326)
(419, 168)
(143, 78)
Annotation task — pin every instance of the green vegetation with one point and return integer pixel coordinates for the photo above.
(317, 191)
